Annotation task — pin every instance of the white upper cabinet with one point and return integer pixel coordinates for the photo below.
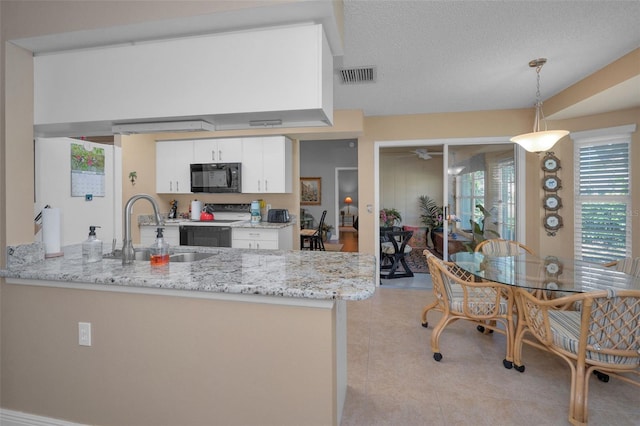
(173, 160)
(266, 165)
(217, 150)
(230, 79)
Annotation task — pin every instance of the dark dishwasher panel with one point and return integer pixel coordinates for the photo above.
(206, 236)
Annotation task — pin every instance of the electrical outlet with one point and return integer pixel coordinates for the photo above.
(84, 333)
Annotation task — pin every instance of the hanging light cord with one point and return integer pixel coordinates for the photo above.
(539, 114)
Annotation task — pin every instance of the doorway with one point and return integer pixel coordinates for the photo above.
(321, 159)
(346, 203)
(459, 174)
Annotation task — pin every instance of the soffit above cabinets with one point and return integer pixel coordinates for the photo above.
(232, 81)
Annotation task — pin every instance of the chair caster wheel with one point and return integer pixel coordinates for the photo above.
(507, 364)
(483, 330)
(437, 356)
(519, 368)
(601, 376)
(425, 324)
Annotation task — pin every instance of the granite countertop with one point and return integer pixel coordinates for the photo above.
(295, 274)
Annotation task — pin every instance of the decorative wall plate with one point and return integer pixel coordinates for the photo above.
(550, 163)
(551, 285)
(552, 222)
(552, 202)
(551, 183)
(553, 266)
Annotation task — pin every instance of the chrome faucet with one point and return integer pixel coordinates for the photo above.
(128, 253)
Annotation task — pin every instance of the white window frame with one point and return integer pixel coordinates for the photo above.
(611, 135)
(501, 165)
(467, 200)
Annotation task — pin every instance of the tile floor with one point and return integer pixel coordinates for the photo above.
(394, 380)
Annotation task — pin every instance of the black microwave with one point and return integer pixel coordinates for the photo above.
(216, 177)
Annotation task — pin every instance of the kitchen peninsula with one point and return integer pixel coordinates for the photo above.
(241, 337)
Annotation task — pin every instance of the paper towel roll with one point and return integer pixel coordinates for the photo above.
(51, 232)
(196, 209)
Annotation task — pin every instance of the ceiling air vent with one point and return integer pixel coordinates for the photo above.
(357, 75)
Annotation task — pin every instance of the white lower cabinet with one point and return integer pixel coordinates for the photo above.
(262, 239)
(148, 235)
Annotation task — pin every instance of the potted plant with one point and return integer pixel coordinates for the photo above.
(389, 217)
(326, 231)
(431, 215)
(479, 233)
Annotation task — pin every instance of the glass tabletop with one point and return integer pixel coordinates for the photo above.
(549, 273)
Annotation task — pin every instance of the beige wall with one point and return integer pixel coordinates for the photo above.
(18, 144)
(403, 178)
(158, 360)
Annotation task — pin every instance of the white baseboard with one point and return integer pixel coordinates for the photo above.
(17, 418)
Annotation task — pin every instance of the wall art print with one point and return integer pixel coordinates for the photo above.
(310, 191)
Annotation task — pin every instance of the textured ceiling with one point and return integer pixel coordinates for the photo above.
(435, 56)
(448, 56)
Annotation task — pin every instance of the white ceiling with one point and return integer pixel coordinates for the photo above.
(438, 56)
(448, 56)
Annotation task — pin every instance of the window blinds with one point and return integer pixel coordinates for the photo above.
(602, 204)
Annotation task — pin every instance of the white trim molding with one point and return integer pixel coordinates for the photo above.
(18, 418)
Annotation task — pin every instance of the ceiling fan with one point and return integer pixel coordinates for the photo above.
(424, 154)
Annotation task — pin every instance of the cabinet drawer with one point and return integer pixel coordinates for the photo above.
(255, 244)
(255, 234)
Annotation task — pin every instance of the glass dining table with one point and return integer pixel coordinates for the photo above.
(548, 277)
(549, 273)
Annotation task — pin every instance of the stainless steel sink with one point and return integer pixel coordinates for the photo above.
(145, 255)
(138, 254)
(189, 257)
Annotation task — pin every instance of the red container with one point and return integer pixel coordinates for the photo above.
(206, 216)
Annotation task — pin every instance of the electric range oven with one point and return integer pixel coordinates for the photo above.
(215, 233)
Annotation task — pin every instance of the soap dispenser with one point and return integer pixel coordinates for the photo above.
(92, 247)
(159, 250)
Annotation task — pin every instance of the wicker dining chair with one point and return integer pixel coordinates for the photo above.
(604, 336)
(439, 303)
(459, 296)
(500, 247)
(628, 265)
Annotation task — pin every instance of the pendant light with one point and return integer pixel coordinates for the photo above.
(538, 140)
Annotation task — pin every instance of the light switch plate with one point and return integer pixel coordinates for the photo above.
(84, 333)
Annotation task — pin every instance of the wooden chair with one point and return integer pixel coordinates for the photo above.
(499, 247)
(458, 296)
(393, 252)
(313, 236)
(604, 336)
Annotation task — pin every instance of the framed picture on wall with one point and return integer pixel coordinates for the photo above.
(310, 191)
